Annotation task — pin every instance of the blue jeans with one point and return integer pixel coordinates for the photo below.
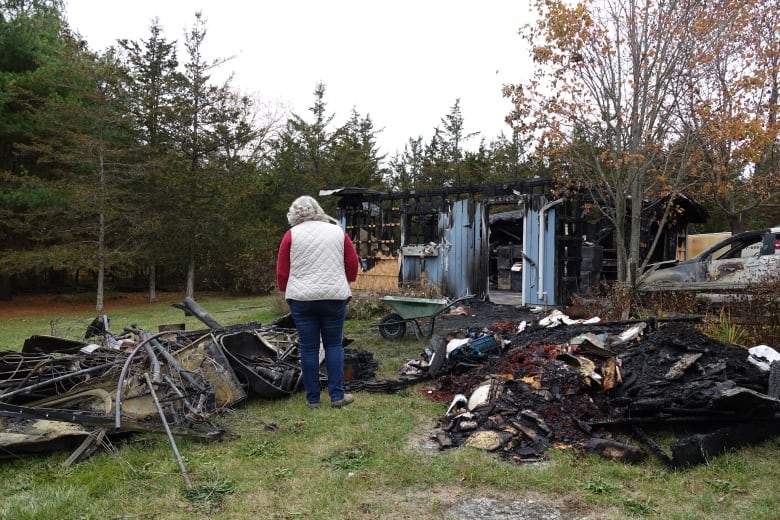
(321, 320)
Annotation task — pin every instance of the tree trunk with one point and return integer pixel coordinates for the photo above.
(190, 291)
(736, 223)
(101, 263)
(152, 281)
(620, 237)
(637, 195)
(100, 284)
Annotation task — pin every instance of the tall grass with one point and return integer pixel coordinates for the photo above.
(373, 459)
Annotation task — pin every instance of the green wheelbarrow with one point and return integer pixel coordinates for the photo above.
(409, 310)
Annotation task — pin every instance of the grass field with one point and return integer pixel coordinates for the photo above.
(370, 460)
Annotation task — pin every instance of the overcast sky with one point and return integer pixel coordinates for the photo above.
(402, 62)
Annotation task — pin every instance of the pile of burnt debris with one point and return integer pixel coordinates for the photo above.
(518, 388)
(514, 384)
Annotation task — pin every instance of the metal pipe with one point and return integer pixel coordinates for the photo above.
(179, 393)
(123, 374)
(154, 361)
(188, 305)
(171, 440)
(525, 276)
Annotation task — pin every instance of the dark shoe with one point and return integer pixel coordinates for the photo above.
(313, 405)
(344, 401)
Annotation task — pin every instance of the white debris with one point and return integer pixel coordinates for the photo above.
(456, 343)
(762, 356)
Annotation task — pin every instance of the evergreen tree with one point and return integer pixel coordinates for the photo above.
(64, 133)
(355, 156)
(302, 155)
(152, 65)
(453, 137)
(82, 142)
(193, 221)
(405, 169)
(442, 162)
(30, 43)
(245, 255)
(509, 160)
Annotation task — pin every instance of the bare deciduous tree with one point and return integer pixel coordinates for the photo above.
(602, 103)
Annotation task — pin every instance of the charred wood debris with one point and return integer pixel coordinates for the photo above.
(512, 382)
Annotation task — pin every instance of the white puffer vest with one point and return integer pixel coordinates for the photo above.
(317, 263)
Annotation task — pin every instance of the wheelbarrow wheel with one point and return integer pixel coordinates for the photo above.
(392, 326)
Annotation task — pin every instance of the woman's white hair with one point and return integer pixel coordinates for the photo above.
(307, 208)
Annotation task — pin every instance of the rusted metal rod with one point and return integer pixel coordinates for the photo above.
(171, 440)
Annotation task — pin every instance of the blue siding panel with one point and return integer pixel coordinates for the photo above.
(465, 244)
(538, 268)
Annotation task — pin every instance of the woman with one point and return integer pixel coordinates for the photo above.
(316, 262)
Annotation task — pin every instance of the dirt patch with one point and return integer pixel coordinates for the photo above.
(512, 509)
(37, 305)
(423, 439)
(456, 503)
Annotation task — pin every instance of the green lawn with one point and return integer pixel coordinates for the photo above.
(370, 460)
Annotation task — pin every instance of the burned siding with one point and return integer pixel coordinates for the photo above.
(440, 238)
(422, 229)
(466, 250)
(577, 270)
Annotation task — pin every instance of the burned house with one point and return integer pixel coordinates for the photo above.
(523, 240)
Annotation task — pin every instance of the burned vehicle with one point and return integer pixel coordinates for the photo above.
(732, 264)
